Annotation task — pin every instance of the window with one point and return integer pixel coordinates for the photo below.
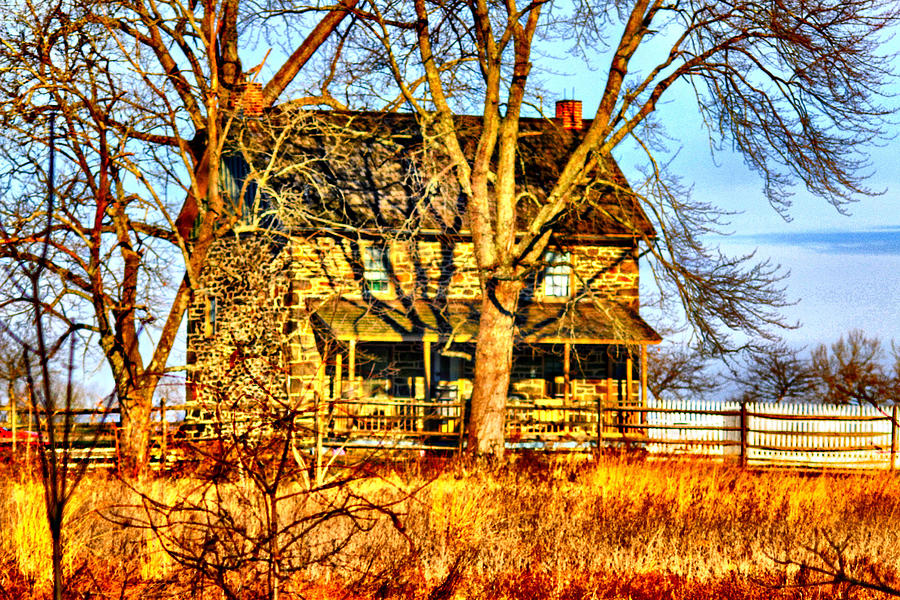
(209, 321)
(375, 272)
(233, 174)
(556, 275)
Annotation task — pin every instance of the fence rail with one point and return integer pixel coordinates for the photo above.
(799, 435)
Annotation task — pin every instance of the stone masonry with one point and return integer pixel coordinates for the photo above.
(251, 341)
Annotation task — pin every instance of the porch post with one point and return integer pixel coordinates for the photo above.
(609, 380)
(351, 367)
(629, 377)
(566, 363)
(427, 350)
(351, 360)
(338, 375)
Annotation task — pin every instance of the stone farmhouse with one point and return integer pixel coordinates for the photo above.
(349, 282)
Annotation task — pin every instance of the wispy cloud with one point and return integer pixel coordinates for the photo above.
(878, 240)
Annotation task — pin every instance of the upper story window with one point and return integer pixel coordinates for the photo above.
(557, 275)
(375, 269)
(242, 195)
(233, 174)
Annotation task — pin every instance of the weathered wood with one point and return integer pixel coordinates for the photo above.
(807, 449)
(655, 410)
(338, 376)
(817, 434)
(610, 399)
(629, 379)
(351, 362)
(744, 421)
(789, 417)
(895, 431)
(461, 443)
(427, 357)
(666, 442)
(643, 374)
(837, 437)
(683, 427)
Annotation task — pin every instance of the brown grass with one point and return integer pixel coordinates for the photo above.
(567, 528)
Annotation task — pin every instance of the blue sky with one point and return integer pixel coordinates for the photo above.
(844, 268)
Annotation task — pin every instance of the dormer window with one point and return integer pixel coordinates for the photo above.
(557, 275)
(375, 269)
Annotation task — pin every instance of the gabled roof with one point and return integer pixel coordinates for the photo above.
(375, 171)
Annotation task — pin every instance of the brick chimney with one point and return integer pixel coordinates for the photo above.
(251, 98)
(569, 113)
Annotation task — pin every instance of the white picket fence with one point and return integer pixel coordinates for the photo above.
(802, 435)
(695, 427)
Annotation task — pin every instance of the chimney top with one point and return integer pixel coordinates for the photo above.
(249, 98)
(569, 112)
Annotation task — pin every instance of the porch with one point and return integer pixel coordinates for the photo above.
(399, 372)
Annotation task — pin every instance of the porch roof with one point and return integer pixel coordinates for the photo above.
(376, 320)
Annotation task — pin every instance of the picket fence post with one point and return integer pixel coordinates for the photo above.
(744, 419)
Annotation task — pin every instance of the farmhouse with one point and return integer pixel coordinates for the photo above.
(350, 283)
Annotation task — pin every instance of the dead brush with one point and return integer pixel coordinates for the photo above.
(605, 529)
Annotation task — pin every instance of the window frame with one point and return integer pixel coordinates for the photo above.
(557, 275)
(375, 272)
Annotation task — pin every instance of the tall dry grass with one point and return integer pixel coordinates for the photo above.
(564, 528)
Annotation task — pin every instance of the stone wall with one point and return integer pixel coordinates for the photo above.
(429, 268)
(244, 338)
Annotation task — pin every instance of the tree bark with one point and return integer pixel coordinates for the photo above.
(57, 556)
(134, 436)
(493, 363)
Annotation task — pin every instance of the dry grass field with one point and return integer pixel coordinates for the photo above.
(568, 528)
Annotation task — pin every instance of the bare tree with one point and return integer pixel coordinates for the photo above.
(856, 369)
(794, 86)
(773, 373)
(681, 372)
(831, 559)
(40, 353)
(146, 93)
(12, 370)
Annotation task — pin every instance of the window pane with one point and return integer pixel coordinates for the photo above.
(556, 276)
(375, 272)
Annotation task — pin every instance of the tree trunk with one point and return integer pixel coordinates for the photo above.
(493, 362)
(57, 557)
(134, 435)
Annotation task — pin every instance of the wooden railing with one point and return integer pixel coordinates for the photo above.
(92, 436)
(812, 436)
